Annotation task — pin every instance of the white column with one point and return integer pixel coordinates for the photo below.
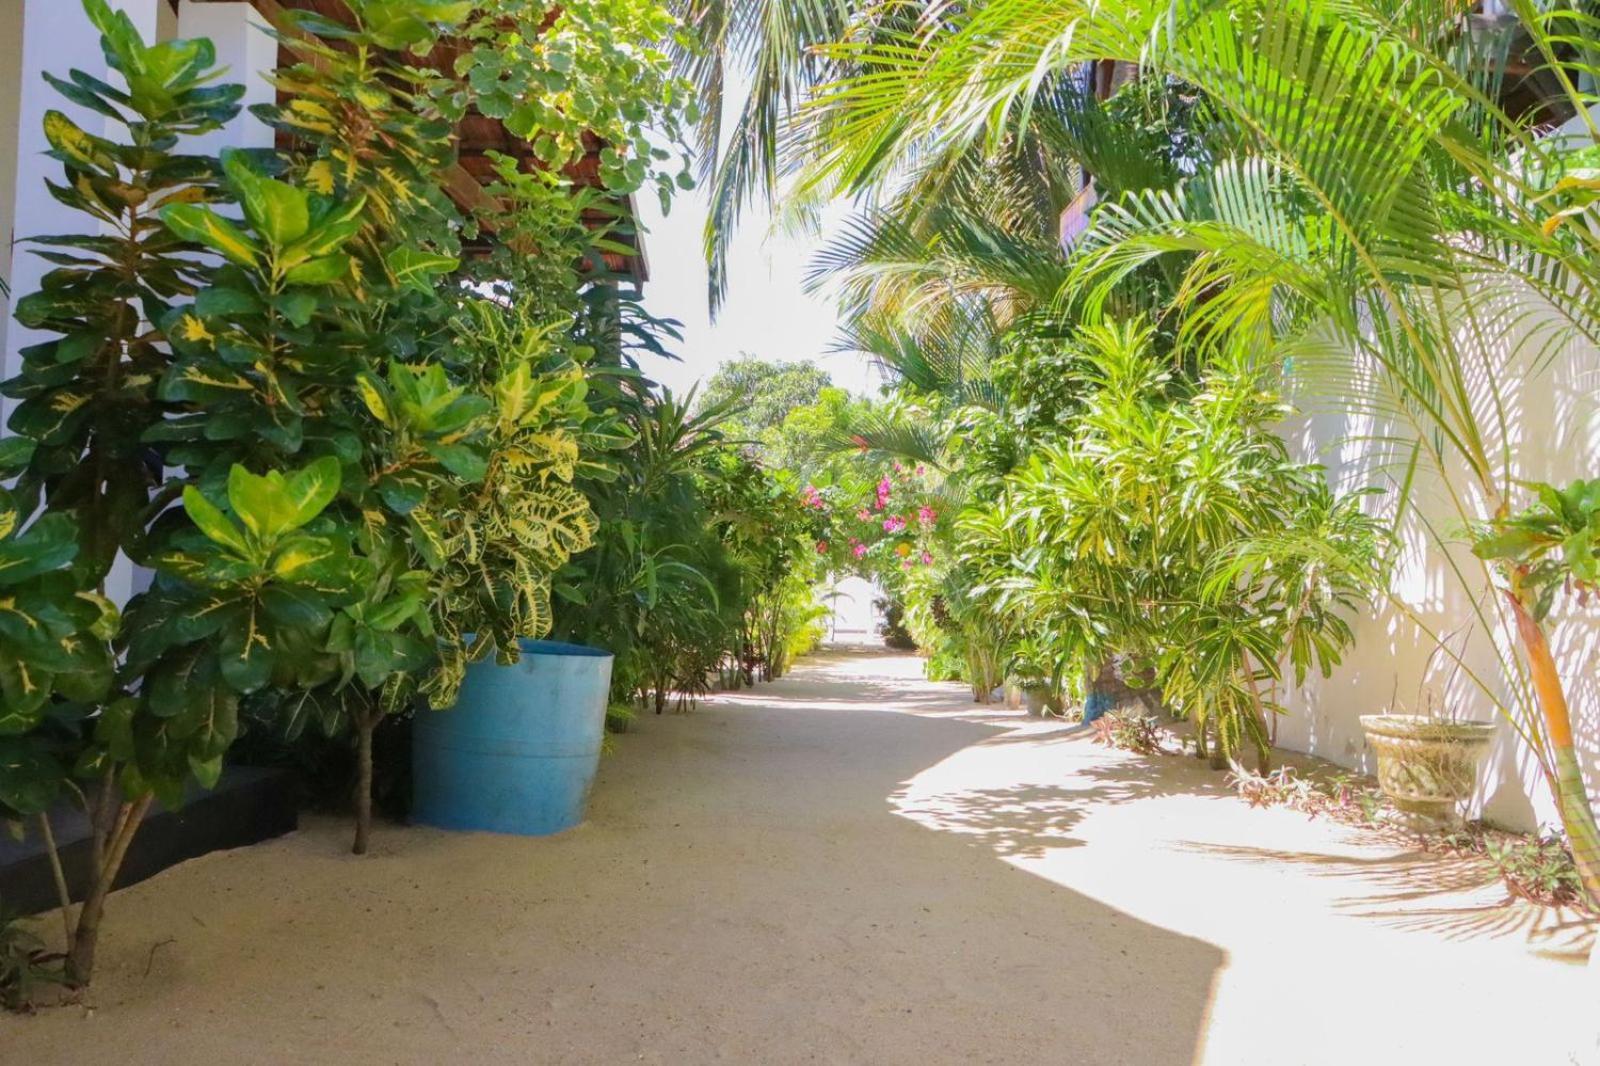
(10, 93)
(247, 54)
(57, 36)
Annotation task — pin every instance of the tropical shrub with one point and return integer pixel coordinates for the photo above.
(1127, 731)
(703, 560)
(465, 413)
(1172, 528)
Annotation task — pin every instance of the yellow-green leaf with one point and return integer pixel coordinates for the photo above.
(204, 226)
(210, 520)
(80, 148)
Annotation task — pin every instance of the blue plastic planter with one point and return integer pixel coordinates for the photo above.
(518, 751)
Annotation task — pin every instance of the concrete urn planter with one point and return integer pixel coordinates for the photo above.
(1427, 766)
(1041, 700)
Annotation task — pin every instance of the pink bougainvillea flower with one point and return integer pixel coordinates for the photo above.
(921, 470)
(864, 515)
(893, 524)
(927, 515)
(927, 560)
(860, 549)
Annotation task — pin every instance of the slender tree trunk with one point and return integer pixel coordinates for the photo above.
(63, 893)
(100, 818)
(365, 724)
(1220, 756)
(86, 938)
(1263, 744)
(1572, 799)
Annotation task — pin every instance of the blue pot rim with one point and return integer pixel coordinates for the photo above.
(561, 647)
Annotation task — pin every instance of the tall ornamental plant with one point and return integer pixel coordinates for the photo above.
(94, 460)
(341, 280)
(251, 404)
(461, 418)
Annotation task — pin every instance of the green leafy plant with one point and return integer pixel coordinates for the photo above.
(495, 546)
(27, 965)
(1539, 869)
(1125, 731)
(1551, 546)
(87, 396)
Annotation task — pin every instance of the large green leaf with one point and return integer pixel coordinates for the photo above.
(246, 653)
(204, 226)
(466, 461)
(380, 653)
(418, 269)
(296, 606)
(172, 686)
(212, 522)
(322, 564)
(276, 210)
(271, 504)
(375, 394)
(25, 688)
(82, 150)
(48, 544)
(52, 416)
(319, 271)
(30, 779)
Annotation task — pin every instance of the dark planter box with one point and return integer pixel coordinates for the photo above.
(248, 805)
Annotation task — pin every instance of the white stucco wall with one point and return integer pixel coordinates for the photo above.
(1553, 420)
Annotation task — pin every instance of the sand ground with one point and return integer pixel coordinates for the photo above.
(851, 865)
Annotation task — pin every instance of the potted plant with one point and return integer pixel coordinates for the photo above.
(1042, 698)
(1039, 685)
(1427, 763)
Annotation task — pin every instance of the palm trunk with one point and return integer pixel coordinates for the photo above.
(1572, 799)
(86, 938)
(1263, 743)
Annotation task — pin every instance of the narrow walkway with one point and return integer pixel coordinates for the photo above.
(849, 866)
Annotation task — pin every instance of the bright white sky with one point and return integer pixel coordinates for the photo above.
(767, 311)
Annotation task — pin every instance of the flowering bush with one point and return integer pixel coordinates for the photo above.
(882, 526)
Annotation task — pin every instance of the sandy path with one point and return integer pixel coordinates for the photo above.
(849, 866)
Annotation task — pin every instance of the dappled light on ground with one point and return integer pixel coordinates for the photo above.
(1331, 935)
